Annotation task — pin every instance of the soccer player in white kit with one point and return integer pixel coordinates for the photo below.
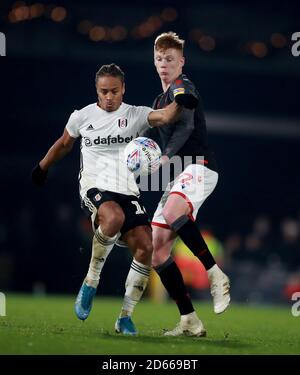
(108, 192)
(179, 205)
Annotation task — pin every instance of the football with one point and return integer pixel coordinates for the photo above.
(142, 156)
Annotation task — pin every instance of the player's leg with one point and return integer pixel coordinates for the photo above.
(139, 240)
(172, 280)
(107, 220)
(177, 212)
(136, 232)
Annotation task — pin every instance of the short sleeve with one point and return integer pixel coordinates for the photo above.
(73, 124)
(182, 85)
(142, 114)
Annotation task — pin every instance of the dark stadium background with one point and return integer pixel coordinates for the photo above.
(251, 98)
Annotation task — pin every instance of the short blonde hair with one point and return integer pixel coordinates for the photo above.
(168, 40)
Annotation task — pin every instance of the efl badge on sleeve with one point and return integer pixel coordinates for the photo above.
(178, 91)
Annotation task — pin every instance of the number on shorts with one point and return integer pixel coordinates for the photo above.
(139, 209)
(188, 177)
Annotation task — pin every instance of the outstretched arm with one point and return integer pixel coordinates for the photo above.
(59, 149)
(166, 115)
(181, 132)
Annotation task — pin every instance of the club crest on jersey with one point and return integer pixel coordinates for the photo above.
(122, 123)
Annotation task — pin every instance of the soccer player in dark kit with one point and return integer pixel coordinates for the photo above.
(184, 195)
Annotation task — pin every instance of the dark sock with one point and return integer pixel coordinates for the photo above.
(172, 280)
(190, 234)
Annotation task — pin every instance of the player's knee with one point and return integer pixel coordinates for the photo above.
(112, 223)
(147, 248)
(144, 253)
(116, 221)
(169, 215)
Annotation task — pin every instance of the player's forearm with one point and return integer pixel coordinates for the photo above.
(58, 151)
(180, 134)
(164, 160)
(168, 115)
(171, 113)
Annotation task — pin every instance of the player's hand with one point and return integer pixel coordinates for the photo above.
(184, 95)
(164, 160)
(39, 176)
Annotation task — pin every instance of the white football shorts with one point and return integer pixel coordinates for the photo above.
(194, 184)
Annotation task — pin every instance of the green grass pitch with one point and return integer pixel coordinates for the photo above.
(48, 325)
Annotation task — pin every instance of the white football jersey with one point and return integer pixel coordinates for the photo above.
(104, 138)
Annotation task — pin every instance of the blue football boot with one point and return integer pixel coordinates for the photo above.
(84, 301)
(126, 326)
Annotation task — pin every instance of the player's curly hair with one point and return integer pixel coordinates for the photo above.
(168, 40)
(110, 70)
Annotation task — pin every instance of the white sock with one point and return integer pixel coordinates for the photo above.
(211, 272)
(102, 246)
(136, 284)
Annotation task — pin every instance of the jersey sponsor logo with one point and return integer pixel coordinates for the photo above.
(122, 123)
(87, 141)
(90, 127)
(106, 140)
